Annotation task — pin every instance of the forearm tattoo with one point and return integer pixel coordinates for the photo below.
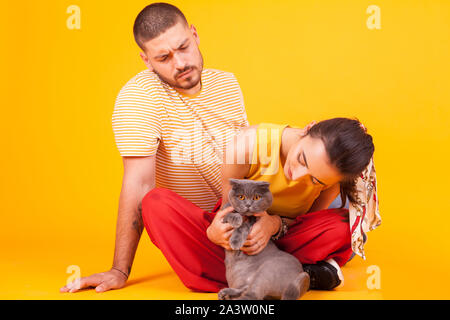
(138, 224)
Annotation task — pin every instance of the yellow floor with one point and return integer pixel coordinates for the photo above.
(38, 272)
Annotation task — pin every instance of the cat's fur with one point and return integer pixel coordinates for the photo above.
(270, 274)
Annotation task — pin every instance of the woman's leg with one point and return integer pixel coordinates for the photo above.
(319, 236)
(178, 228)
(321, 241)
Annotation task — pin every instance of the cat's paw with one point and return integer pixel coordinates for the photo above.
(223, 294)
(236, 242)
(235, 220)
(230, 293)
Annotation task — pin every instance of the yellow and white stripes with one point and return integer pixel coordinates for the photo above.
(187, 133)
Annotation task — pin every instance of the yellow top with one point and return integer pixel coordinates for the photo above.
(290, 198)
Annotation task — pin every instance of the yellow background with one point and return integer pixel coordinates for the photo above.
(296, 61)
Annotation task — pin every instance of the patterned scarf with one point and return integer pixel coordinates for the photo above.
(364, 215)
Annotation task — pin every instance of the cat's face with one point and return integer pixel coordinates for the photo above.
(248, 196)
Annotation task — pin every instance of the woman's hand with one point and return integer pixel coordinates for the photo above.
(219, 232)
(261, 232)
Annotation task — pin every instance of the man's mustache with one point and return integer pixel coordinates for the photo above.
(183, 71)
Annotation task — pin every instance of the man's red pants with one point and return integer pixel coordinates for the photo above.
(178, 228)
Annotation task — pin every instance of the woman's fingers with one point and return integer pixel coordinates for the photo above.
(259, 214)
(256, 229)
(226, 227)
(227, 234)
(257, 250)
(251, 252)
(252, 244)
(226, 239)
(251, 241)
(217, 228)
(221, 213)
(254, 249)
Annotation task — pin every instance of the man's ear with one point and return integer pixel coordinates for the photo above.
(195, 34)
(146, 61)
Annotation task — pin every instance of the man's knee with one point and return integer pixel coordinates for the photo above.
(155, 194)
(154, 201)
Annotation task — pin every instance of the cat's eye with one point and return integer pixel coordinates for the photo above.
(241, 197)
(256, 197)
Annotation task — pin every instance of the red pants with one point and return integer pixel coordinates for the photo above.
(178, 228)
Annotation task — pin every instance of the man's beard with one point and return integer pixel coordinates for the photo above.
(189, 85)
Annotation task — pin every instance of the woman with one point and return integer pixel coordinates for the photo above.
(307, 169)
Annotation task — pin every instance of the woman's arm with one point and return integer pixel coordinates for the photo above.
(325, 198)
(237, 159)
(234, 166)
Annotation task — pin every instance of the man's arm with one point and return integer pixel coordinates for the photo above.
(138, 179)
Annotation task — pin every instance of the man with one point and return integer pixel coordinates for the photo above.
(171, 124)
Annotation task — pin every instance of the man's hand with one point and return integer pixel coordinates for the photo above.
(104, 281)
(260, 233)
(219, 232)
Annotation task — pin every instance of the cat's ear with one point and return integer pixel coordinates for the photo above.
(263, 185)
(234, 182)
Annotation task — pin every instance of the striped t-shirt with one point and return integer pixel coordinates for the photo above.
(188, 134)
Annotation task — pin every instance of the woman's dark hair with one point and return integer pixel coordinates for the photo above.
(349, 149)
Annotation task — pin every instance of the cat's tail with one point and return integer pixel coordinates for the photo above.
(297, 288)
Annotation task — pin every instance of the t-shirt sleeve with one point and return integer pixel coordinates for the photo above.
(136, 121)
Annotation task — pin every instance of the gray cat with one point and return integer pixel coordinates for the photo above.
(270, 274)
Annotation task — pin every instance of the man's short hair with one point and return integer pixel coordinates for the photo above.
(154, 19)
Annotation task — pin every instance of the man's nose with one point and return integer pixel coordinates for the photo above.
(179, 63)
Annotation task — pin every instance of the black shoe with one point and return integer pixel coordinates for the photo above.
(323, 276)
